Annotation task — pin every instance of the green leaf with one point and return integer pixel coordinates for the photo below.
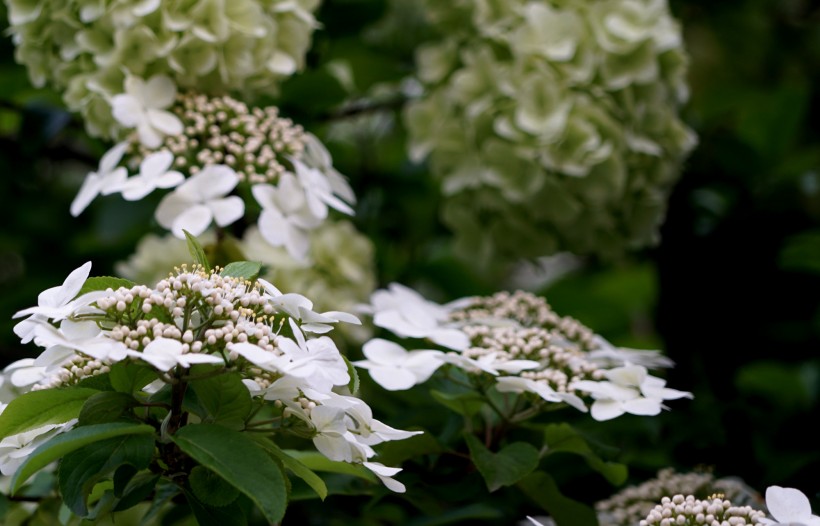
(82, 469)
(461, 515)
(104, 283)
(353, 386)
(211, 488)
(137, 490)
(563, 438)
(396, 452)
(294, 466)
(542, 489)
(315, 461)
(242, 269)
(240, 461)
(506, 467)
(106, 406)
(225, 398)
(468, 403)
(65, 443)
(130, 377)
(38, 408)
(230, 515)
(196, 251)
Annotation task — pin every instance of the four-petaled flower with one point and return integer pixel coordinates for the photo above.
(154, 173)
(142, 106)
(286, 217)
(789, 507)
(396, 369)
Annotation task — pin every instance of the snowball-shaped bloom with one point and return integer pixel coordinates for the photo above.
(286, 217)
(789, 507)
(405, 312)
(165, 354)
(56, 303)
(630, 389)
(107, 179)
(142, 106)
(396, 369)
(201, 199)
(154, 173)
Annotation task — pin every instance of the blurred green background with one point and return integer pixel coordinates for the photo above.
(732, 293)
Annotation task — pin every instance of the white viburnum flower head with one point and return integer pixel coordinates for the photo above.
(200, 200)
(789, 507)
(142, 106)
(106, 180)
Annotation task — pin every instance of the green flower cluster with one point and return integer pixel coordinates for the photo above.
(552, 125)
(85, 48)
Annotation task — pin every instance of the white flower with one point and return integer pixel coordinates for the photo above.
(300, 308)
(142, 107)
(369, 430)
(105, 180)
(154, 173)
(489, 364)
(24, 373)
(15, 449)
(607, 354)
(56, 303)
(99, 347)
(396, 369)
(318, 192)
(333, 439)
(630, 389)
(385, 474)
(286, 217)
(405, 312)
(165, 354)
(789, 507)
(516, 384)
(201, 199)
(317, 361)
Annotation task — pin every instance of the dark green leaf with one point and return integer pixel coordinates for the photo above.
(82, 469)
(353, 386)
(506, 467)
(225, 398)
(104, 283)
(196, 251)
(211, 488)
(242, 269)
(240, 461)
(315, 461)
(106, 406)
(563, 438)
(230, 515)
(38, 408)
(396, 452)
(99, 382)
(294, 466)
(129, 377)
(461, 516)
(467, 404)
(65, 443)
(542, 489)
(137, 490)
(122, 476)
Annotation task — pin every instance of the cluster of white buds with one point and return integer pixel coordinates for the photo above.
(255, 142)
(713, 511)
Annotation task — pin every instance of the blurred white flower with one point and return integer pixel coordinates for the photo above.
(286, 216)
(142, 106)
(789, 507)
(201, 199)
(154, 173)
(106, 180)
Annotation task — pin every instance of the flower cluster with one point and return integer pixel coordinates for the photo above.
(205, 148)
(630, 505)
(519, 341)
(553, 126)
(713, 511)
(86, 50)
(275, 341)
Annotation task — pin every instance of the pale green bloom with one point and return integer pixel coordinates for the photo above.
(552, 126)
(87, 48)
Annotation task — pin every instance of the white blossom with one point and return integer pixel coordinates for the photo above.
(286, 216)
(154, 173)
(142, 106)
(789, 507)
(165, 354)
(396, 369)
(106, 180)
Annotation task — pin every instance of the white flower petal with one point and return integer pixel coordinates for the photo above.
(788, 505)
(195, 220)
(228, 210)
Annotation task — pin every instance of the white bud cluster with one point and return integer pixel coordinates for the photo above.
(255, 143)
(633, 503)
(689, 511)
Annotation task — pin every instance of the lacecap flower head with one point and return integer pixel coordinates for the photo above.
(552, 126)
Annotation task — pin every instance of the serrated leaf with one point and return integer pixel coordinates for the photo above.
(542, 489)
(315, 461)
(211, 488)
(38, 408)
(82, 469)
(130, 377)
(240, 461)
(104, 283)
(294, 466)
(242, 269)
(514, 462)
(353, 385)
(63, 444)
(106, 406)
(563, 438)
(196, 251)
(225, 399)
(467, 403)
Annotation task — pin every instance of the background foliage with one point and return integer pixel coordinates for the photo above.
(731, 293)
